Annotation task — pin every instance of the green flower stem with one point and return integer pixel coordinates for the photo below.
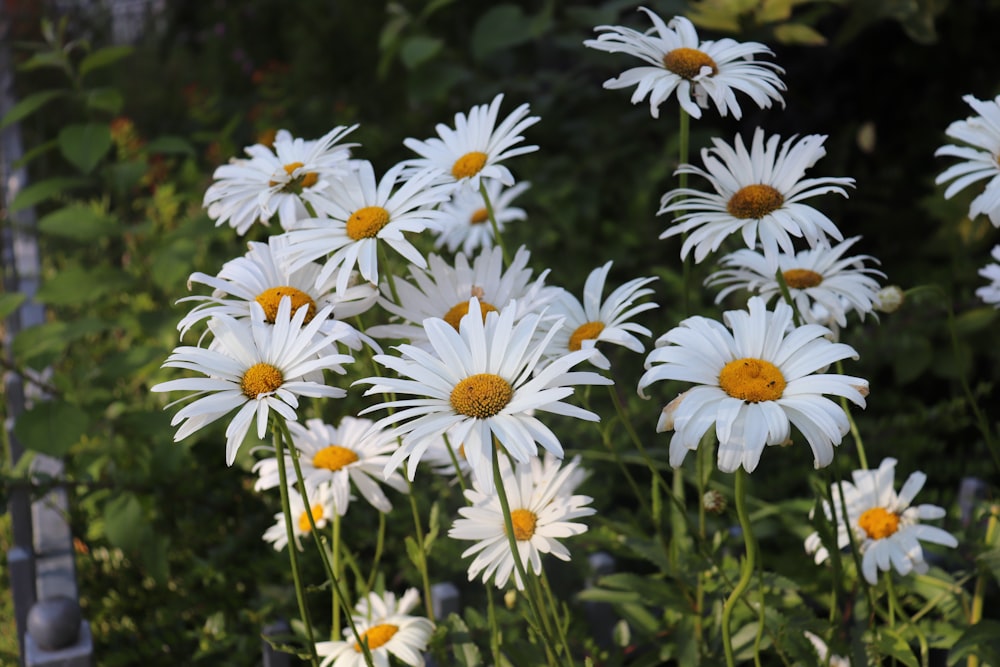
(855, 548)
(894, 603)
(338, 571)
(560, 628)
(855, 432)
(494, 627)
(454, 462)
(493, 222)
(390, 278)
(422, 565)
(980, 588)
(747, 567)
(684, 143)
(637, 441)
(787, 296)
(377, 558)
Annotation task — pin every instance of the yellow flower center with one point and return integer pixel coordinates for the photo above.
(481, 396)
(269, 300)
(754, 202)
(317, 514)
(260, 379)
(524, 524)
(460, 310)
(295, 185)
(479, 217)
(587, 331)
(802, 278)
(879, 523)
(366, 222)
(687, 63)
(752, 380)
(469, 164)
(377, 636)
(334, 457)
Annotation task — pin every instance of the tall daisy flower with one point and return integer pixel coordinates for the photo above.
(466, 222)
(319, 504)
(755, 379)
(279, 180)
(475, 148)
(991, 293)
(338, 457)
(254, 367)
(698, 71)
(443, 291)
(758, 192)
(981, 134)
(476, 385)
(541, 511)
(817, 276)
(258, 277)
(886, 525)
(363, 212)
(596, 320)
(385, 625)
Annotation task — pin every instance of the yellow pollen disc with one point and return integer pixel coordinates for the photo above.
(524, 524)
(587, 331)
(460, 310)
(879, 523)
(269, 300)
(291, 167)
(752, 380)
(306, 180)
(377, 636)
(469, 164)
(334, 457)
(754, 202)
(261, 379)
(317, 512)
(687, 63)
(802, 278)
(366, 222)
(479, 217)
(481, 396)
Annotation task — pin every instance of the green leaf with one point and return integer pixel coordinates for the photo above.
(466, 652)
(981, 640)
(176, 145)
(37, 346)
(9, 302)
(105, 99)
(798, 33)
(34, 152)
(81, 285)
(889, 643)
(419, 49)
(153, 552)
(44, 59)
(78, 221)
(974, 320)
(501, 27)
(28, 105)
(51, 427)
(124, 522)
(85, 144)
(39, 192)
(103, 58)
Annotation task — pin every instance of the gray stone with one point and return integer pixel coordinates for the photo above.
(77, 655)
(54, 623)
(445, 599)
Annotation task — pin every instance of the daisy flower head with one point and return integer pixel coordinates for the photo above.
(991, 293)
(363, 212)
(443, 291)
(758, 192)
(542, 512)
(320, 505)
(442, 462)
(385, 624)
(596, 320)
(475, 148)
(980, 152)
(467, 223)
(279, 180)
(886, 525)
(338, 457)
(755, 380)
(478, 384)
(816, 276)
(258, 277)
(698, 71)
(254, 367)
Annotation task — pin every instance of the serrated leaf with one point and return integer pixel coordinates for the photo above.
(124, 522)
(501, 27)
(51, 427)
(78, 221)
(84, 144)
(981, 640)
(889, 643)
(9, 302)
(798, 33)
(105, 99)
(418, 49)
(29, 105)
(103, 58)
(44, 190)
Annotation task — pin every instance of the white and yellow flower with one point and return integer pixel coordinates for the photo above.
(386, 626)
(466, 222)
(991, 293)
(320, 505)
(980, 152)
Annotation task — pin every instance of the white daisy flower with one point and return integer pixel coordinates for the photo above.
(982, 134)
(757, 192)
(255, 367)
(362, 213)
(320, 505)
(279, 181)
(338, 456)
(444, 291)
(258, 277)
(755, 380)
(696, 70)
(467, 222)
(439, 459)
(386, 626)
(818, 275)
(541, 511)
(474, 149)
(991, 293)
(823, 652)
(476, 384)
(596, 321)
(886, 526)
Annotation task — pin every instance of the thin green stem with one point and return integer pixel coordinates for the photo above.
(787, 296)
(855, 431)
(746, 569)
(560, 629)
(493, 222)
(684, 143)
(454, 461)
(980, 588)
(338, 573)
(377, 558)
(422, 565)
(491, 614)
